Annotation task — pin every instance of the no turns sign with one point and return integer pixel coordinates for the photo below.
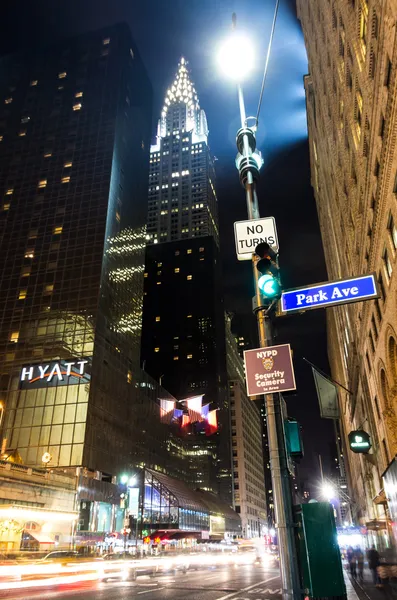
(248, 234)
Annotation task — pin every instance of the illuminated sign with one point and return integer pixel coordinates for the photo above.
(355, 289)
(62, 372)
(359, 441)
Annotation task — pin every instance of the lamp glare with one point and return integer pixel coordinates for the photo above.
(236, 57)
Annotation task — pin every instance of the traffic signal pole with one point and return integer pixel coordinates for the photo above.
(249, 173)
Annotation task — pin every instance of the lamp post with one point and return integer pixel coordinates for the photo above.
(132, 481)
(236, 58)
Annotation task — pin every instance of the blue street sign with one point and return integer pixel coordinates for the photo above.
(355, 289)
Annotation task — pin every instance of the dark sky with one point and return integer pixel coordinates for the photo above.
(164, 30)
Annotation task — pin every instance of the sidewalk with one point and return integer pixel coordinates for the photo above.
(366, 590)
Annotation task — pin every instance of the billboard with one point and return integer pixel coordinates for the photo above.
(269, 370)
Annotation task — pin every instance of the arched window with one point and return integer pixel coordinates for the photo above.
(384, 387)
(392, 356)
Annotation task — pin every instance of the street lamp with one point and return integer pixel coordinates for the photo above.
(328, 491)
(235, 58)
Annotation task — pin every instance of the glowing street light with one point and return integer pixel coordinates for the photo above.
(328, 491)
(236, 57)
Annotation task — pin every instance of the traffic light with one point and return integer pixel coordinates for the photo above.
(268, 282)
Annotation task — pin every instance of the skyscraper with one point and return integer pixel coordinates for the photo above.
(183, 339)
(351, 91)
(75, 130)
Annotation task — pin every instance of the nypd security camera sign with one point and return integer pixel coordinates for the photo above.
(248, 234)
(269, 370)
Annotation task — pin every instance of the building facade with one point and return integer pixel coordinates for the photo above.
(351, 103)
(74, 152)
(183, 336)
(249, 486)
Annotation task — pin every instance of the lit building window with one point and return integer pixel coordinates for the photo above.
(129, 376)
(189, 356)
(176, 270)
(65, 179)
(157, 319)
(77, 106)
(62, 75)
(48, 289)
(78, 95)
(29, 254)
(8, 100)
(177, 252)
(189, 316)
(47, 154)
(117, 216)
(1, 138)
(158, 282)
(14, 336)
(9, 191)
(22, 294)
(189, 251)
(157, 349)
(42, 183)
(6, 206)
(201, 249)
(106, 41)
(145, 275)
(25, 119)
(22, 133)
(67, 164)
(57, 230)
(25, 271)
(34, 82)
(159, 264)
(189, 277)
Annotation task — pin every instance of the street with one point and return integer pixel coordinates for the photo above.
(222, 583)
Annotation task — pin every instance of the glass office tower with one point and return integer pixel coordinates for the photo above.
(74, 146)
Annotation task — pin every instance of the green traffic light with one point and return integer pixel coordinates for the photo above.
(269, 286)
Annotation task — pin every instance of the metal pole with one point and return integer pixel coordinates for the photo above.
(275, 427)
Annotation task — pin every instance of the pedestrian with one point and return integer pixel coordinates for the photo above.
(373, 564)
(351, 559)
(360, 563)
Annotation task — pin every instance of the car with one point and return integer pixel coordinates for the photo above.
(60, 555)
(122, 565)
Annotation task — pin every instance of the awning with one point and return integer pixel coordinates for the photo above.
(40, 537)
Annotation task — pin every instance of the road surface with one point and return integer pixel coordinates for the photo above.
(222, 583)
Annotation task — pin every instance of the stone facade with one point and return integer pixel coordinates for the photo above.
(351, 94)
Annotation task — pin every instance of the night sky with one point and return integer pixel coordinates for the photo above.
(164, 30)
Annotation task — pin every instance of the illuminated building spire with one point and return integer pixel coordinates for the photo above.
(181, 110)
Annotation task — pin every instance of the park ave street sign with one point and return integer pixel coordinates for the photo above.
(269, 370)
(330, 293)
(248, 234)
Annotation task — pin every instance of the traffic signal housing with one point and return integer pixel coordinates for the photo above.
(268, 282)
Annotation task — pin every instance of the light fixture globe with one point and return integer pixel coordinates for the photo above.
(235, 57)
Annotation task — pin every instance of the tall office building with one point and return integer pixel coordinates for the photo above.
(183, 338)
(351, 98)
(249, 487)
(75, 131)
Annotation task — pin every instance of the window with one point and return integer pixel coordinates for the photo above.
(388, 68)
(378, 310)
(34, 82)
(8, 100)
(382, 287)
(189, 251)
(189, 356)
(67, 165)
(145, 275)
(176, 357)
(176, 270)
(77, 106)
(201, 249)
(78, 95)
(374, 326)
(14, 336)
(42, 183)
(157, 349)
(48, 289)
(22, 294)
(387, 263)
(385, 450)
(29, 253)
(25, 272)
(189, 277)
(57, 230)
(65, 179)
(62, 75)
(6, 206)
(368, 361)
(189, 316)
(371, 339)
(129, 376)
(392, 229)
(157, 319)
(177, 252)
(377, 407)
(22, 133)
(47, 154)
(106, 41)
(25, 119)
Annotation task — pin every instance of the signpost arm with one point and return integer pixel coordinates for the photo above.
(275, 427)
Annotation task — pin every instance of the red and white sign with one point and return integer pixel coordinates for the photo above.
(269, 370)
